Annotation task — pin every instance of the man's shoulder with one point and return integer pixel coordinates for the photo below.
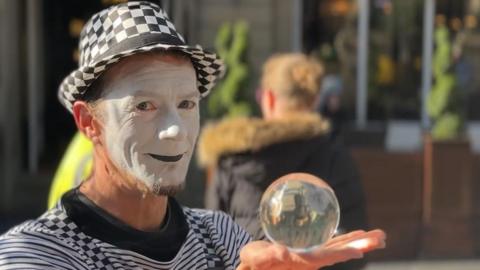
(208, 217)
(203, 213)
(43, 229)
(53, 227)
(29, 229)
(36, 244)
(217, 223)
(219, 233)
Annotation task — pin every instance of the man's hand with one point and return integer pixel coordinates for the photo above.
(259, 255)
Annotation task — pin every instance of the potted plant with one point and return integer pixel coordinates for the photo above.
(447, 203)
(230, 98)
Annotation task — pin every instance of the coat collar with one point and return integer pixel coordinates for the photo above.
(239, 135)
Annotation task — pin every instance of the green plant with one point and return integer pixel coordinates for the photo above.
(228, 98)
(442, 104)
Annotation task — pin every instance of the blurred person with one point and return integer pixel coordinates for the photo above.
(247, 154)
(75, 166)
(135, 97)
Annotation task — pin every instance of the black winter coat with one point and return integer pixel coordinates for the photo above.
(249, 154)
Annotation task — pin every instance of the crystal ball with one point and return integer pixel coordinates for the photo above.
(299, 211)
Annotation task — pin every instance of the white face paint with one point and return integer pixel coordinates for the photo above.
(152, 121)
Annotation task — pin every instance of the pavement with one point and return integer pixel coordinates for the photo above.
(426, 265)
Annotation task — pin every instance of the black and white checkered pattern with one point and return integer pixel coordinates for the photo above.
(53, 241)
(198, 227)
(58, 222)
(127, 29)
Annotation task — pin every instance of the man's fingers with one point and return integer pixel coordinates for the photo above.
(364, 242)
(264, 255)
(345, 247)
(342, 255)
(327, 256)
(343, 237)
(366, 245)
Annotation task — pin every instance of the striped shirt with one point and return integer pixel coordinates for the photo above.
(53, 241)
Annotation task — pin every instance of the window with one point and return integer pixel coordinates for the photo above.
(395, 51)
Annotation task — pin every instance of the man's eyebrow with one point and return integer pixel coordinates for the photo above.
(143, 92)
(191, 95)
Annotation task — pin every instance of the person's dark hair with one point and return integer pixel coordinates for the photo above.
(95, 91)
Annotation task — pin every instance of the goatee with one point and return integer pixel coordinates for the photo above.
(161, 190)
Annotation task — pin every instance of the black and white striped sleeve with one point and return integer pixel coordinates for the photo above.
(34, 250)
(230, 238)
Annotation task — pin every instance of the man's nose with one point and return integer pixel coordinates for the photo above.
(171, 132)
(172, 128)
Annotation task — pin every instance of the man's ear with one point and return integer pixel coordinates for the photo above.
(86, 121)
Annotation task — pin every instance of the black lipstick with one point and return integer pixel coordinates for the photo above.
(167, 158)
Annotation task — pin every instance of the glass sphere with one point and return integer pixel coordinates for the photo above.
(299, 211)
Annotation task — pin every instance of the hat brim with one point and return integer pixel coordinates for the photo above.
(208, 66)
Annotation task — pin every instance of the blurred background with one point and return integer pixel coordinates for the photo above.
(400, 89)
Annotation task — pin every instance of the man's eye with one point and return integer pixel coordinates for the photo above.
(187, 104)
(145, 106)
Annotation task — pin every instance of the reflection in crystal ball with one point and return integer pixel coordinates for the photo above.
(299, 211)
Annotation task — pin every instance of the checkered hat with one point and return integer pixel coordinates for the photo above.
(127, 29)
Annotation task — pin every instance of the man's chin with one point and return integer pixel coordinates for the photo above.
(160, 189)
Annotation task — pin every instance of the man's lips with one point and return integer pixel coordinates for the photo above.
(167, 158)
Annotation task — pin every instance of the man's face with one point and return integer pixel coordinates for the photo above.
(152, 119)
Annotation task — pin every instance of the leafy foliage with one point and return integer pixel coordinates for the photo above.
(226, 100)
(442, 103)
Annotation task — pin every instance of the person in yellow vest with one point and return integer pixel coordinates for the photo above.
(75, 166)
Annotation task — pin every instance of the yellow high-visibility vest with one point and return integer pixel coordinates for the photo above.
(76, 165)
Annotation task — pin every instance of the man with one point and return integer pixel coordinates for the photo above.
(135, 96)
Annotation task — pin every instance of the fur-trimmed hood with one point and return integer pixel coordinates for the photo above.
(239, 135)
